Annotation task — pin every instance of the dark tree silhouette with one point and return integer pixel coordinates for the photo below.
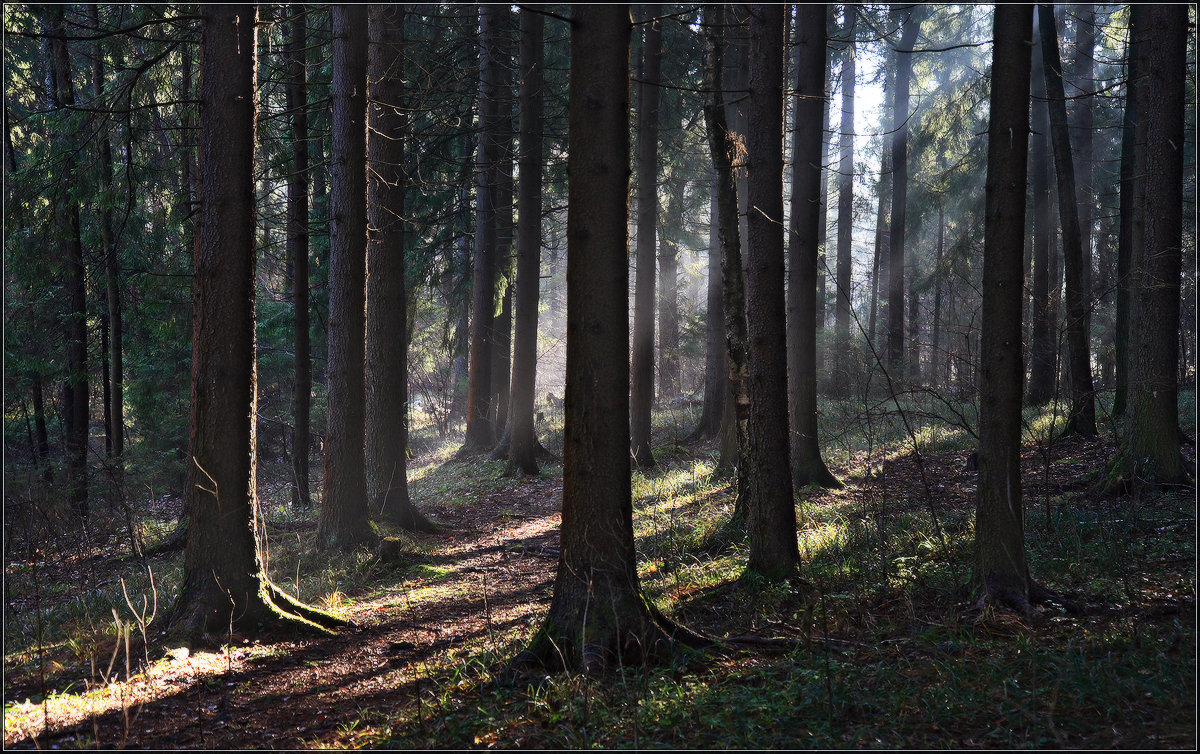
(297, 251)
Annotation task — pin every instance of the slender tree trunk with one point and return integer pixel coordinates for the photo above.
(481, 432)
(1132, 202)
(1001, 570)
(1083, 124)
(39, 426)
(1083, 407)
(842, 349)
(716, 371)
(503, 325)
(823, 375)
(387, 301)
(772, 522)
(913, 370)
(668, 294)
(224, 574)
(523, 444)
(879, 264)
(936, 356)
(344, 521)
(1043, 337)
(807, 465)
(726, 148)
(895, 311)
(642, 395)
(598, 617)
(297, 252)
(1151, 454)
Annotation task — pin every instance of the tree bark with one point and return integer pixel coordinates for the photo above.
(771, 507)
(76, 413)
(879, 264)
(344, 521)
(716, 370)
(668, 290)
(1001, 571)
(523, 444)
(481, 432)
(807, 465)
(598, 617)
(1083, 124)
(841, 382)
(1082, 419)
(505, 275)
(642, 395)
(1043, 336)
(895, 312)
(1151, 454)
(225, 586)
(297, 252)
(387, 300)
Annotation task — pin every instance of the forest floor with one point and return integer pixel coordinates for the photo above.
(893, 653)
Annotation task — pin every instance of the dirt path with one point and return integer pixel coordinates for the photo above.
(494, 569)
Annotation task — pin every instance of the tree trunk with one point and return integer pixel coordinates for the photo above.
(726, 148)
(642, 395)
(1083, 123)
(772, 522)
(1082, 418)
(598, 617)
(807, 465)
(1151, 453)
(481, 432)
(913, 369)
(39, 427)
(75, 387)
(1001, 572)
(297, 252)
(225, 586)
(879, 264)
(668, 294)
(841, 381)
(895, 312)
(344, 521)
(716, 370)
(503, 325)
(387, 301)
(1043, 336)
(936, 356)
(523, 444)
(1132, 202)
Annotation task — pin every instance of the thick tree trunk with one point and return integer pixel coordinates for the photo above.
(1001, 571)
(1132, 202)
(895, 310)
(76, 413)
(481, 432)
(523, 444)
(1151, 453)
(841, 381)
(642, 395)
(807, 465)
(771, 507)
(598, 617)
(387, 301)
(224, 577)
(297, 252)
(1043, 336)
(1082, 418)
(344, 521)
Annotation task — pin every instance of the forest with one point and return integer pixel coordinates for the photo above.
(599, 376)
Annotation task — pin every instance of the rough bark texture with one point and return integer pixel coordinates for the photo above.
(726, 148)
(505, 274)
(642, 388)
(1043, 336)
(481, 432)
(1001, 571)
(771, 507)
(1132, 202)
(224, 578)
(716, 370)
(1151, 454)
(598, 617)
(344, 521)
(807, 465)
(842, 351)
(523, 444)
(1082, 418)
(297, 252)
(76, 413)
(895, 310)
(387, 301)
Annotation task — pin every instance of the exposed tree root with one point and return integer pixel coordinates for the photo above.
(1024, 602)
(209, 616)
(398, 509)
